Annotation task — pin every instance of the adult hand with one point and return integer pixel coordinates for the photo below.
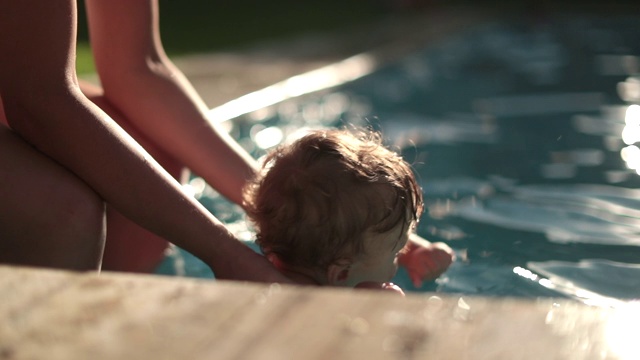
(425, 261)
(245, 265)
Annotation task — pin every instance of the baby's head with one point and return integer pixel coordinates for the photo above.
(335, 206)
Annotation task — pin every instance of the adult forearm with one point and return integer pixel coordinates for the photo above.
(142, 83)
(173, 116)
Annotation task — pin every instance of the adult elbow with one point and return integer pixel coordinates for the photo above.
(125, 77)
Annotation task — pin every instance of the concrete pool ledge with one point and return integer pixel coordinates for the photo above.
(65, 315)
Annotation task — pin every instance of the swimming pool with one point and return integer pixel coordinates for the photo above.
(523, 138)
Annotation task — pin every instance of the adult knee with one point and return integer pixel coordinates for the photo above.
(80, 225)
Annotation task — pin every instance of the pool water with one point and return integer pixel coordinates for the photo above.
(523, 138)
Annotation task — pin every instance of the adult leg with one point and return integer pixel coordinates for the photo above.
(130, 247)
(48, 216)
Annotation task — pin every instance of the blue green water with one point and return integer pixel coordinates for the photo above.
(523, 138)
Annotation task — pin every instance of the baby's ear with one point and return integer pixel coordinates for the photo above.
(338, 272)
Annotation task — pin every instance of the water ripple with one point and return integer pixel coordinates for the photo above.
(591, 278)
(588, 214)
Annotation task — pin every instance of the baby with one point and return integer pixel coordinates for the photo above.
(337, 209)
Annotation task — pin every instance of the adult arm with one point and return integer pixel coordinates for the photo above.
(140, 81)
(45, 106)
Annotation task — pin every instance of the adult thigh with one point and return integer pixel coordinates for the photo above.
(48, 216)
